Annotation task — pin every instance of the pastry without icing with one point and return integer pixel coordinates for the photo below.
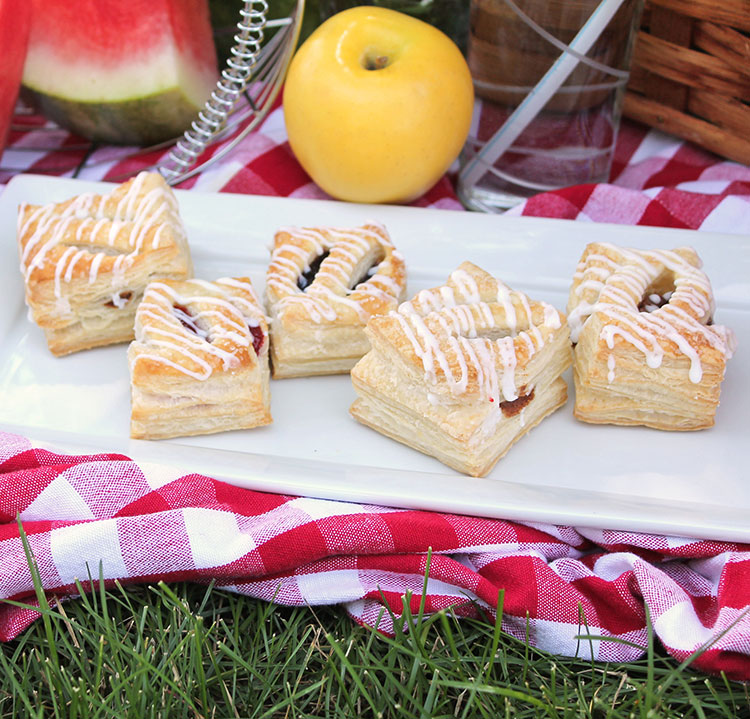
(647, 352)
(86, 261)
(462, 371)
(322, 285)
(199, 362)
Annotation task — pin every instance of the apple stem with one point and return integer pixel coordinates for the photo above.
(376, 63)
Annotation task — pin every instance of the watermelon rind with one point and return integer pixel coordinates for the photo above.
(138, 121)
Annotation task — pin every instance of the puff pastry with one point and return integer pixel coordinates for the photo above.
(199, 362)
(462, 371)
(322, 286)
(647, 352)
(86, 261)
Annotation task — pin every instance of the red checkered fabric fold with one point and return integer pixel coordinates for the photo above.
(106, 516)
(656, 180)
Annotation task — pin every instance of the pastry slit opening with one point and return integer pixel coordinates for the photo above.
(188, 321)
(308, 276)
(658, 293)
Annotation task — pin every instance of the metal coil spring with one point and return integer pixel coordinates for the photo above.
(230, 86)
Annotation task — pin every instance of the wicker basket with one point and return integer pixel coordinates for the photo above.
(691, 73)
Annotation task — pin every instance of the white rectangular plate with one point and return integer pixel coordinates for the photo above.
(563, 471)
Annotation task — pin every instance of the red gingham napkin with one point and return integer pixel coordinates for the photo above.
(105, 513)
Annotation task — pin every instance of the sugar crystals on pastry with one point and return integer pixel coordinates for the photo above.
(199, 362)
(647, 352)
(86, 261)
(462, 371)
(322, 285)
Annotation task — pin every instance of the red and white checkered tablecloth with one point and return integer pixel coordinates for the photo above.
(86, 515)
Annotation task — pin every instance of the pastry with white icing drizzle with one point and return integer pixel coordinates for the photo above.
(462, 371)
(647, 351)
(86, 261)
(322, 285)
(199, 362)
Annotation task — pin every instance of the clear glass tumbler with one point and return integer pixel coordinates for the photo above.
(550, 77)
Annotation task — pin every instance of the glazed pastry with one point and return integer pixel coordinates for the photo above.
(647, 352)
(322, 286)
(199, 362)
(86, 262)
(462, 371)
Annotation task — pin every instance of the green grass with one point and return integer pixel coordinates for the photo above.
(189, 651)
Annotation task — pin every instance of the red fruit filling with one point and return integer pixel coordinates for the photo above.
(258, 336)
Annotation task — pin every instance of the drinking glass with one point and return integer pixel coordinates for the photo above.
(550, 78)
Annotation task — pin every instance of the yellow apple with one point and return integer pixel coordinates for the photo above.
(377, 105)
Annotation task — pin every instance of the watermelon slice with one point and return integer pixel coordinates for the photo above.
(14, 35)
(126, 72)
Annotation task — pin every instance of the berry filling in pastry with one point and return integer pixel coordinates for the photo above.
(322, 285)
(199, 363)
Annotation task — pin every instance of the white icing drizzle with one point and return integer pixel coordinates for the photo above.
(533, 329)
(615, 289)
(531, 346)
(94, 268)
(181, 348)
(551, 316)
(484, 357)
(100, 231)
(466, 286)
(504, 298)
(217, 324)
(119, 301)
(447, 327)
(60, 268)
(611, 368)
(330, 291)
(71, 265)
(508, 357)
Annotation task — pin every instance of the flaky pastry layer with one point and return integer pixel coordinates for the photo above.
(199, 362)
(647, 352)
(322, 286)
(462, 371)
(86, 261)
